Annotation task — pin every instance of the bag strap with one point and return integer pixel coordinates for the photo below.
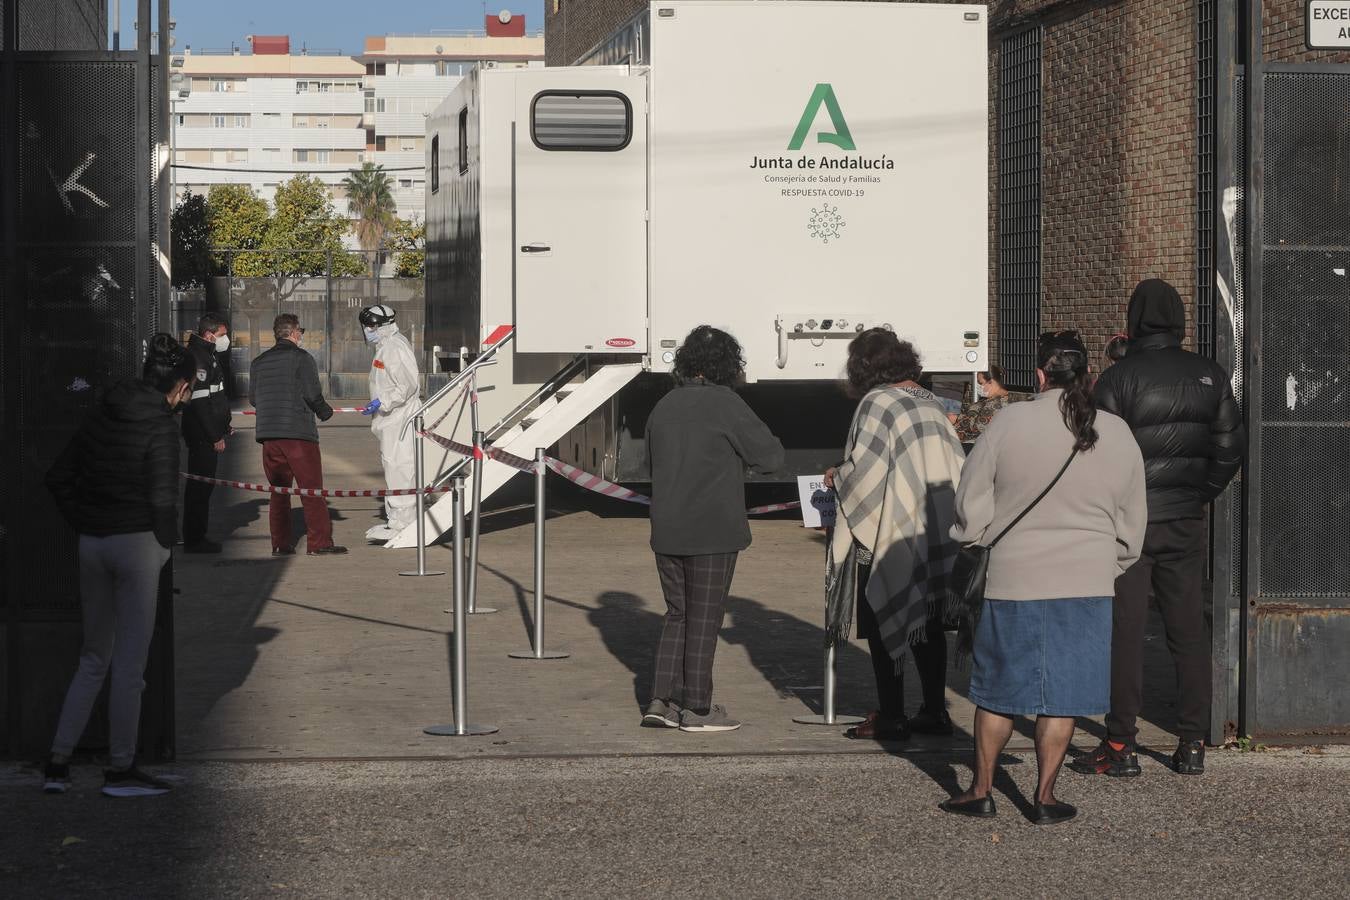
(1047, 490)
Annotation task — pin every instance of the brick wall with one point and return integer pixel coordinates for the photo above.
(571, 27)
(1285, 39)
(1084, 188)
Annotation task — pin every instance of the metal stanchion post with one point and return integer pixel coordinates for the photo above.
(829, 718)
(419, 477)
(461, 726)
(538, 651)
(479, 460)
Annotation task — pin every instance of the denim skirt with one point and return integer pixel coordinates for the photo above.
(1043, 657)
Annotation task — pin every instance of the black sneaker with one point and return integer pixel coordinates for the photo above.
(929, 721)
(283, 551)
(1107, 760)
(1189, 758)
(56, 778)
(334, 550)
(132, 783)
(202, 546)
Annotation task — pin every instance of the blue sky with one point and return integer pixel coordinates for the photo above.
(328, 24)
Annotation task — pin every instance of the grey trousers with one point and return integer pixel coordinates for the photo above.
(119, 586)
(696, 590)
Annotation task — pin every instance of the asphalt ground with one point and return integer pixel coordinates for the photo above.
(304, 684)
(1269, 824)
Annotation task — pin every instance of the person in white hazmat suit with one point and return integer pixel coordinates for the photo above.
(394, 387)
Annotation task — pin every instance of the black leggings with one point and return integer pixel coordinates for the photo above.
(930, 658)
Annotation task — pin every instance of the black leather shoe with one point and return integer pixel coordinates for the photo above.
(1189, 758)
(979, 808)
(283, 551)
(334, 550)
(1052, 813)
(931, 721)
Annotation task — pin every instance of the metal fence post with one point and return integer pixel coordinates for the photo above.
(827, 706)
(461, 726)
(538, 651)
(419, 477)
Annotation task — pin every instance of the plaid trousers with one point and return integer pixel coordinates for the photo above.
(696, 590)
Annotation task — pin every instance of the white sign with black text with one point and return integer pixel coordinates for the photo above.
(1328, 25)
(818, 501)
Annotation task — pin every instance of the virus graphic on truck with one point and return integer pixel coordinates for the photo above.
(825, 223)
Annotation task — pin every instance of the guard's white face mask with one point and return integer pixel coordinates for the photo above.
(222, 343)
(372, 335)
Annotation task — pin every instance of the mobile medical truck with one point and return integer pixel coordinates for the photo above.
(791, 172)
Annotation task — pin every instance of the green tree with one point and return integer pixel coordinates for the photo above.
(371, 203)
(190, 241)
(238, 220)
(409, 240)
(304, 223)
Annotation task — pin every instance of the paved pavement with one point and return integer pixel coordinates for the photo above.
(304, 684)
(314, 657)
(1257, 825)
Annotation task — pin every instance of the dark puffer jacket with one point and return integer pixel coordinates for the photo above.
(283, 385)
(1179, 405)
(119, 475)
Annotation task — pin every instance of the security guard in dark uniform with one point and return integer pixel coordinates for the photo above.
(206, 423)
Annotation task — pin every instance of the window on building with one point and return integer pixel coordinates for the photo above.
(180, 156)
(302, 87)
(591, 120)
(302, 156)
(240, 121)
(325, 87)
(238, 156)
(435, 163)
(1019, 206)
(463, 140)
(271, 154)
(180, 118)
(377, 68)
(405, 182)
(322, 121)
(217, 121)
(271, 120)
(219, 156)
(381, 143)
(408, 143)
(369, 95)
(379, 104)
(221, 85)
(322, 156)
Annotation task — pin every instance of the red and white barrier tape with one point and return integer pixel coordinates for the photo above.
(580, 477)
(316, 492)
(336, 409)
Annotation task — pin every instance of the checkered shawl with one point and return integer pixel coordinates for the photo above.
(897, 497)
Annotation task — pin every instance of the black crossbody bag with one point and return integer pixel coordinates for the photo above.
(971, 569)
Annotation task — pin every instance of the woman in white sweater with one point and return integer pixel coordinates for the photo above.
(1042, 645)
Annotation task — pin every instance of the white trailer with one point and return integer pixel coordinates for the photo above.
(792, 172)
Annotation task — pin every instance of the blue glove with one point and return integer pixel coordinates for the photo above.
(371, 408)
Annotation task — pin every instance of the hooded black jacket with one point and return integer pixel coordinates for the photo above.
(119, 474)
(1179, 405)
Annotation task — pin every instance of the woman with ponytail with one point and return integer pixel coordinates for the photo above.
(1042, 642)
(117, 486)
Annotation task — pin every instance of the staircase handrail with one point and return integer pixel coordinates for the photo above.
(455, 382)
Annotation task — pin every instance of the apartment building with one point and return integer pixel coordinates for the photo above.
(407, 76)
(259, 118)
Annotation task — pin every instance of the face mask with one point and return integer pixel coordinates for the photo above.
(372, 335)
(984, 391)
(222, 343)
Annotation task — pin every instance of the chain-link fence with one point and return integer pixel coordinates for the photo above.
(326, 303)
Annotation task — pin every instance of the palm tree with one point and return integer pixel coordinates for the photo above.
(371, 205)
